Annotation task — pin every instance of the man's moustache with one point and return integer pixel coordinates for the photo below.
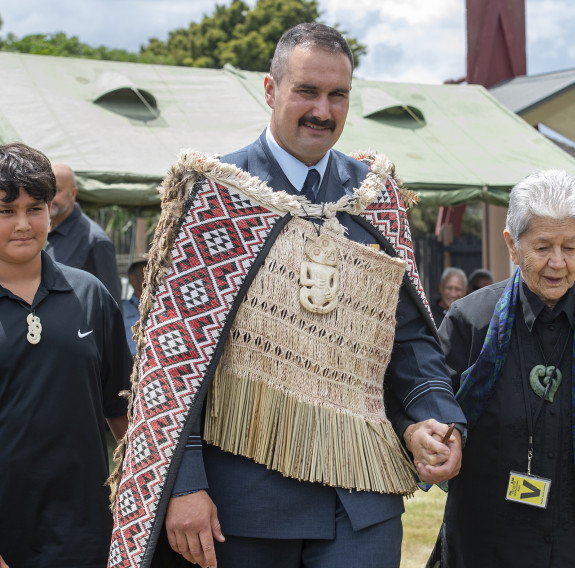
(317, 122)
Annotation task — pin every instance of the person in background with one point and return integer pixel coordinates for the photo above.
(452, 286)
(131, 306)
(510, 350)
(63, 362)
(479, 278)
(75, 240)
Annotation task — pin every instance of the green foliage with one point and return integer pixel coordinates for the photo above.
(422, 219)
(357, 49)
(60, 45)
(473, 220)
(237, 35)
(234, 34)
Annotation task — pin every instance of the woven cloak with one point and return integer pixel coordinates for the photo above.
(217, 238)
(302, 392)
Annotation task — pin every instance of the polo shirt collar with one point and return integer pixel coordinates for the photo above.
(53, 280)
(52, 276)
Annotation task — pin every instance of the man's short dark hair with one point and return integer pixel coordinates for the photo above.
(135, 266)
(24, 167)
(476, 275)
(307, 35)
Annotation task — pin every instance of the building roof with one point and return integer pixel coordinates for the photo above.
(521, 94)
(547, 99)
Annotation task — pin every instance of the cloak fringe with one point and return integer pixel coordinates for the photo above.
(305, 441)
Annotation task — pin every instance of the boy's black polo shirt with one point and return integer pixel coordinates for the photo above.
(53, 399)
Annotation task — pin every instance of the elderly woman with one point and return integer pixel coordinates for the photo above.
(510, 350)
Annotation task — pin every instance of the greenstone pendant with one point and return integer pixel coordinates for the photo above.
(539, 378)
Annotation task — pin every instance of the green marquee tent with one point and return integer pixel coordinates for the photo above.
(120, 126)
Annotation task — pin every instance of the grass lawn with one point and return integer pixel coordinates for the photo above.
(111, 447)
(421, 522)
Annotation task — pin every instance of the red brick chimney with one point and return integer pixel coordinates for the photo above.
(495, 41)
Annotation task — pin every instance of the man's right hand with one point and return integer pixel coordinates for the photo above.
(192, 525)
(3, 564)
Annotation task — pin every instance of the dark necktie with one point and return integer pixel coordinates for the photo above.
(310, 181)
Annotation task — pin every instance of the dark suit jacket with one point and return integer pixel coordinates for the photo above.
(81, 243)
(253, 501)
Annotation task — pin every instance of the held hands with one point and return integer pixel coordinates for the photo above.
(434, 460)
(192, 525)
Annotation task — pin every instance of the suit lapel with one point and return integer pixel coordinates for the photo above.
(336, 183)
(262, 161)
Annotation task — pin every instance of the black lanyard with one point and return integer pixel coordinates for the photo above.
(531, 418)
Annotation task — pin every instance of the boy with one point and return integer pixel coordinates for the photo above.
(63, 361)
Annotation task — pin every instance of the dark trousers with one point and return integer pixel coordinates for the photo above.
(377, 546)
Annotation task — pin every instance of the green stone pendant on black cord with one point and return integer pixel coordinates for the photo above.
(539, 378)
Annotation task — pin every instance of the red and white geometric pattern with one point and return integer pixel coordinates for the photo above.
(218, 242)
(389, 216)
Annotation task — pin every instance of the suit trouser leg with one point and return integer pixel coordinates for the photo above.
(377, 546)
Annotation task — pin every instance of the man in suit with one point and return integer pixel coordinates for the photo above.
(270, 519)
(75, 240)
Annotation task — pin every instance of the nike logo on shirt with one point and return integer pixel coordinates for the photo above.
(81, 335)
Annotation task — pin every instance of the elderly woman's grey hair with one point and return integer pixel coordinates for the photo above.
(452, 271)
(544, 193)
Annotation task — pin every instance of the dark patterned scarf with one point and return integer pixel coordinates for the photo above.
(478, 382)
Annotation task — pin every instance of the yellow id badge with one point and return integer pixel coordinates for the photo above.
(528, 489)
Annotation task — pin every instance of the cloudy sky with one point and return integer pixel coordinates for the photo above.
(408, 40)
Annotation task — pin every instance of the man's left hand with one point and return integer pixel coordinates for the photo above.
(435, 461)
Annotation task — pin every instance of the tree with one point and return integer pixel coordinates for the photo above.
(59, 44)
(236, 35)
